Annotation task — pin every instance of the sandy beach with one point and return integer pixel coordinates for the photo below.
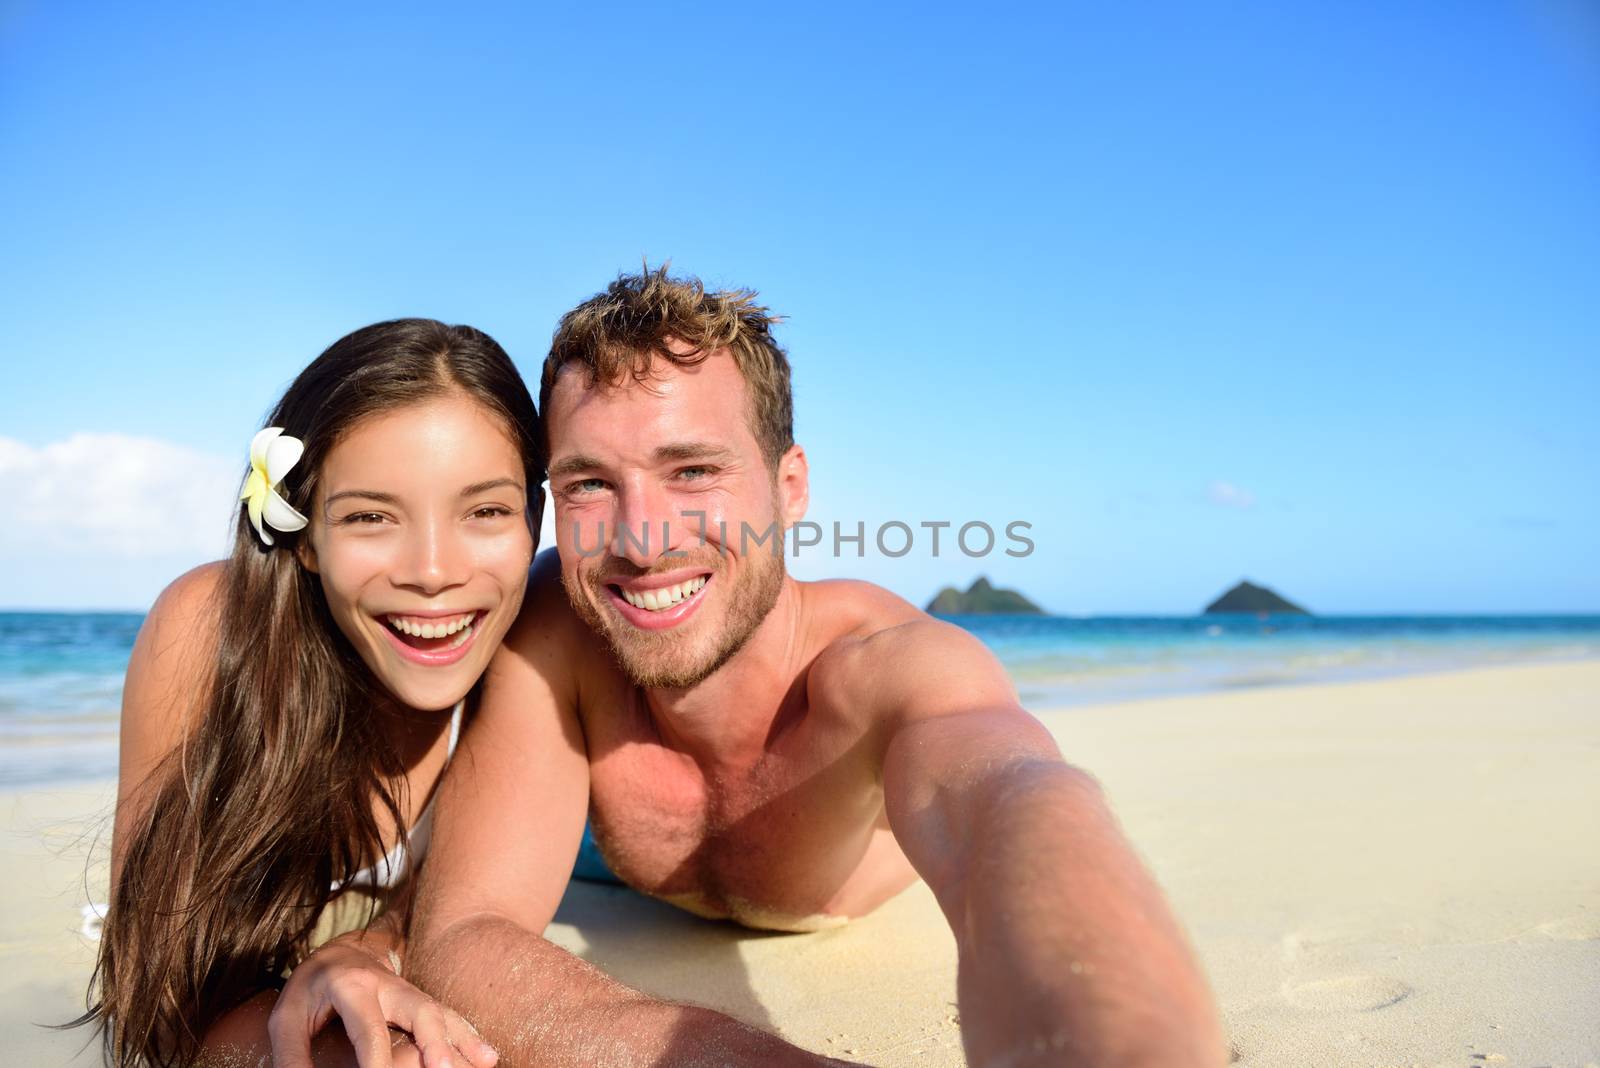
(1390, 873)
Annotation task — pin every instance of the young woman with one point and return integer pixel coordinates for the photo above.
(288, 711)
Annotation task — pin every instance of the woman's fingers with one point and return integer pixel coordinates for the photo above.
(293, 1022)
(464, 1037)
(408, 1056)
(428, 1032)
(369, 1000)
(445, 1038)
(365, 1023)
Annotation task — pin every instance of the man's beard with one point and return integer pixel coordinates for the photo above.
(666, 659)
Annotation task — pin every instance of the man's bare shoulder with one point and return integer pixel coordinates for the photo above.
(889, 655)
(851, 607)
(547, 632)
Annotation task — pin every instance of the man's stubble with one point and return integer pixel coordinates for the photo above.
(666, 659)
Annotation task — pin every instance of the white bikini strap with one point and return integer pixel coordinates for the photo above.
(455, 727)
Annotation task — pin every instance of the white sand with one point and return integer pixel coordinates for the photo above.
(47, 837)
(1394, 873)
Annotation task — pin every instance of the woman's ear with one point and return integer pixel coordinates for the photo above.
(306, 553)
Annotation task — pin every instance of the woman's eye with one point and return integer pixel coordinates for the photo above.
(491, 511)
(364, 517)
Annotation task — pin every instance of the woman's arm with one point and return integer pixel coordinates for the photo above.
(162, 697)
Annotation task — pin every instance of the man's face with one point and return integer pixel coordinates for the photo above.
(661, 496)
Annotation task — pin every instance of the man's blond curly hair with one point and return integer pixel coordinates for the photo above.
(623, 330)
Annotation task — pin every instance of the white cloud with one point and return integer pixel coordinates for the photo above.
(1227, 495)
(115, 495)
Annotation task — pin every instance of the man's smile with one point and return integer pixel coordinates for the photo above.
(658, 602)
(659, 599)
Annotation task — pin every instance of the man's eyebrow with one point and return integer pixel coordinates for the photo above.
(692, 450)
(371, 495)
(493, 483)
(571, 465)
(676, 451)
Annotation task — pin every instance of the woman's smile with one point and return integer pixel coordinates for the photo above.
(433, 640)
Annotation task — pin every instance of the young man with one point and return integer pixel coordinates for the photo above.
(787, 755)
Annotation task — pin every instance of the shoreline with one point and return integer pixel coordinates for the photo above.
(1374, 873)
(1050, 703)
(1039, 701)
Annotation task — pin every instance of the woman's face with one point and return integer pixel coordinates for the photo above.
(420, 535)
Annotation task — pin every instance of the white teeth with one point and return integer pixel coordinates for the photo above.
(656, 600)
(432, 628)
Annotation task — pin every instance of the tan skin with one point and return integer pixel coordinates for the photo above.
(851, 744)
(420, 510)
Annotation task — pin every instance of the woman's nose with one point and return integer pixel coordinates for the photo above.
(434, 559)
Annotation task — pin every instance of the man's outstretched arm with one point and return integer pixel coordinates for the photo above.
(507, 823)
(1068, 952)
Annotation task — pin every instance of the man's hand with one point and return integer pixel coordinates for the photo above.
(356, 978)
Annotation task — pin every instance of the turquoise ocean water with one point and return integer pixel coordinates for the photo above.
(61, 673)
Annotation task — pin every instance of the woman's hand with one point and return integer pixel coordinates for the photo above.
(357, 980)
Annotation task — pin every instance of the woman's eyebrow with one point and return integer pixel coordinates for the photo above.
(389, 498)
(493, 483)
(371, 495)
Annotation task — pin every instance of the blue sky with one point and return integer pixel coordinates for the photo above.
(1299, 292)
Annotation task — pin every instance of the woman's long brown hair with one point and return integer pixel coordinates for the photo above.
(270, 799)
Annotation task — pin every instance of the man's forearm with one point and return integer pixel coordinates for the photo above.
(1068, 952)
(539, 1005)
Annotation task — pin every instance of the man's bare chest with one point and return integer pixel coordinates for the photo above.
(771, 844)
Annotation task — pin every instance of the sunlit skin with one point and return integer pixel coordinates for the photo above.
(638, 455)
(785, 754)
(421, 516)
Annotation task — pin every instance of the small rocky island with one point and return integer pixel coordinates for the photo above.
(1248, 597)
(982, 599)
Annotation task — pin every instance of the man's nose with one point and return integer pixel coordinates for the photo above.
(647, 525)
(434, 559)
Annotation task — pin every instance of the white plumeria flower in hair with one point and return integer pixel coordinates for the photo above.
(272, 454)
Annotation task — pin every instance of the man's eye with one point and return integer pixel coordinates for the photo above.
(690, 474)
(588, 485)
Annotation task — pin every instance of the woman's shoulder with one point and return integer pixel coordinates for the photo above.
(169, 673)
(181, 626)
(191, 596)
(172, 658)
